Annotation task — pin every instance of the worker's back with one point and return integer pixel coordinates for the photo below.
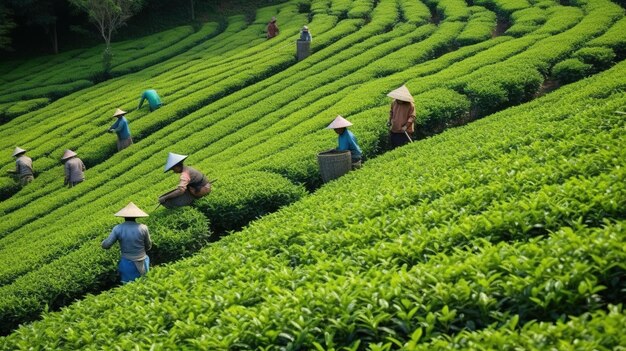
(153, 99)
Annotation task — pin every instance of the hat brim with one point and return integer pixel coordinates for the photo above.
(168, 168)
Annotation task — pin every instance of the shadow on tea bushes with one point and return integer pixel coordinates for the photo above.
(237, 200)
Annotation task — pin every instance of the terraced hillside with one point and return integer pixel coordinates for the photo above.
(508, 232)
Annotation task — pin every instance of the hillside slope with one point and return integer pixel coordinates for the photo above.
(252, 116)
(514, 241)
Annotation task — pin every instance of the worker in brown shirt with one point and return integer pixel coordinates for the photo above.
(74, 168)
(272, 29)
(193, 184)
(401, 116)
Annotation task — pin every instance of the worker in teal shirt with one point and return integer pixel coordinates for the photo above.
(346, 140)
(153, 99)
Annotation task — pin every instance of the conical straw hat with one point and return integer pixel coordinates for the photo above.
(18, 150)
(68, 153)
(172, 160)
(119, 112)
(339, 122)
(402, 93)
(132, 211)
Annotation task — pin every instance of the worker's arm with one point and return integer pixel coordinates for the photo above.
(67, 173)
(118, 126)
(147, 242)
(175, 193)
(108, 242)
(182, 187)
(143, 97)
(115, 125)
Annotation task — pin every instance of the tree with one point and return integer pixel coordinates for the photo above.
(6, 26)
(108, 16)
(34, 13)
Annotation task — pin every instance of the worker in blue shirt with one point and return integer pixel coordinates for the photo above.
(346, 140)
(305, 35)
(153, 99)
(120, 127)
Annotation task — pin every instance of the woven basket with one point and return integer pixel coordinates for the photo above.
(334, 164)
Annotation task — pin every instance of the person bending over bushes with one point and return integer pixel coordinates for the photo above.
(23, 167)
(346, 141)
(193, 184)
(74, 168)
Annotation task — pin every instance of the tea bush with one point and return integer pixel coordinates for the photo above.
(570, 70)
(600, 58)
(244, 197)
(242, 107)
(482, 238)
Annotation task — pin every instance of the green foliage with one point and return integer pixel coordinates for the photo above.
(438, 107)
(415, 12)
(600, 58)
(508, 85)
(581, 332)
(50, 92)
(59, 75)
(177, 233)
(504, 7)
(8, 186)
(571, 70)
(21, 107)
(361, 9)
(489, 236)
(451, 10)
(479, 27)
(241, 198)
(243, 108)
(613, 38)
(560, 18)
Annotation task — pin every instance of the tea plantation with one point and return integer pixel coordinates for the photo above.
(507, 231)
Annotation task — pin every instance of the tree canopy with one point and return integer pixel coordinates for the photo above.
(108, 15)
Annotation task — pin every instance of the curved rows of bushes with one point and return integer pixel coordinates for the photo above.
(473, 246)
(275, 124)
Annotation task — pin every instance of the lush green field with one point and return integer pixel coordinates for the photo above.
(506, 233)
(481, 244)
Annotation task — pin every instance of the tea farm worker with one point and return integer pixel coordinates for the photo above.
(346, 140)
(134, 241)
(23, 167)
(154, 101)
(401, 116)
(74, 168)
(272, 29)
(305, 35)
(121, 128)
(193, 184)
